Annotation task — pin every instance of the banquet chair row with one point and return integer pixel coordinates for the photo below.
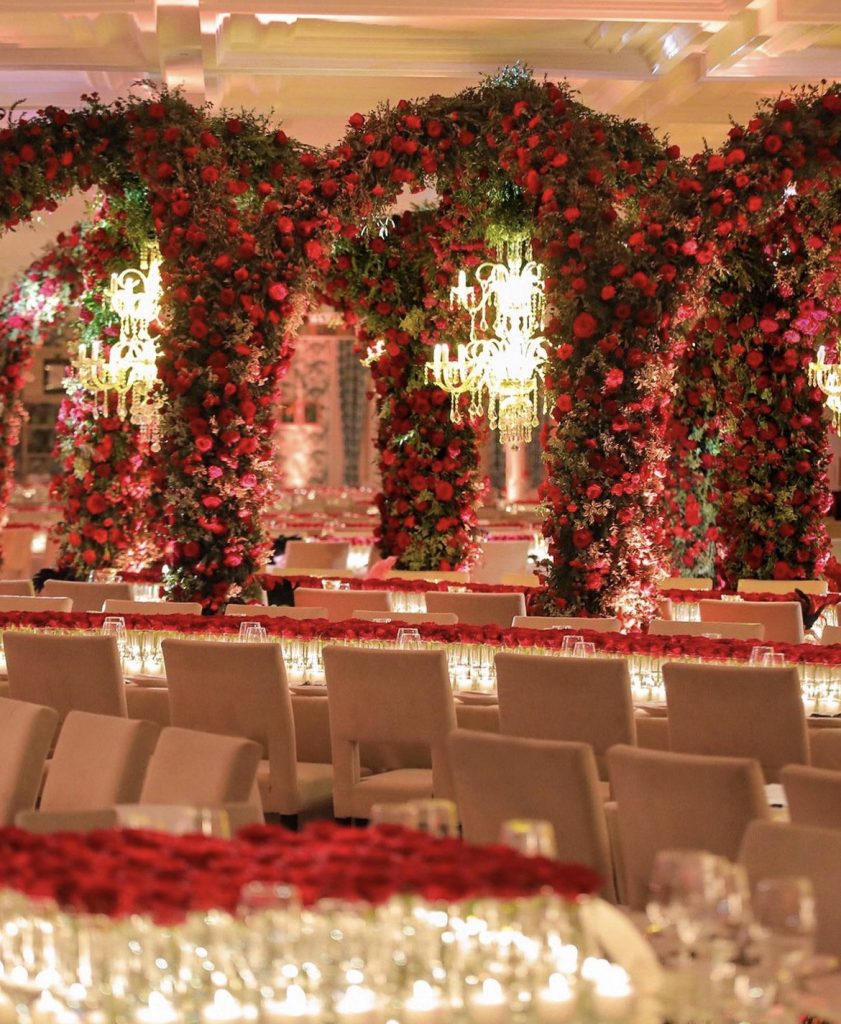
(728, 630)
(477, 609)
(100, 760)
(315, 612)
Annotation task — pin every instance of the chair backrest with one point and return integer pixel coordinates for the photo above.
(98, 761)
(236, 689)
(497, 557)
(410, 618)
(783, 620)
(831, 635)
(317, 554)
(776, 849)
(392, 696)
(341, 604)
(483, 609)
(17, 588)
(430, 575)
(27, 731)
(274, 611)
(737, 711)
(746, 586)
(36, 604)
(685, 583)
(200, 769)
(813, 795)
(730, 630)
(582, 700)
(667, 801)
(68, 673)
(599, 625)
(87, 597)
(825, 747)
(503, 777)
(115, 606)
(16, 548)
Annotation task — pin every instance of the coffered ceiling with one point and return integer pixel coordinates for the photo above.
(682, 65)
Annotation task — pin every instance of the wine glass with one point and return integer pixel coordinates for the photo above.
(785, 923)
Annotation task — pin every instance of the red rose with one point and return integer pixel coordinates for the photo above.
(278, 291)
(443, 490)
(585, 325)
(582, 539)
(356, 120)
(96, 504)
(772, 144)
(380, 157)
(284, 225)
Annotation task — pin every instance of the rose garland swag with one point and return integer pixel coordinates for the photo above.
(394, 286)
(110, 484)
(601, 191)
(33, 304)
(770, 199)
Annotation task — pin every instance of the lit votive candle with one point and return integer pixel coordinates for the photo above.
(225, 1009)
(296, 1008)
(613, 996)
(356, 1006)
(556, 1002)
(159, 1010)
(489, 1005)
(423, 1006)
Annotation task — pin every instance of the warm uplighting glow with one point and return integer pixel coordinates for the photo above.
(504, 362)
(827, 376)
(130, 369)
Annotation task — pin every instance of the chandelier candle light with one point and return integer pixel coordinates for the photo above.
(130, 369)
(505, 359)
(827, 376)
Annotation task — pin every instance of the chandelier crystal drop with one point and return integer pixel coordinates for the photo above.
(130, 368)
(827, 376)
(503, 364)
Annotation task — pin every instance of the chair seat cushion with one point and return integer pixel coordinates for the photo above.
(391, 787)
(315, 787)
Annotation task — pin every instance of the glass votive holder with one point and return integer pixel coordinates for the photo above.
(758, 655)
(405, 815)
(252, 632)
(584, 649)
(437, 817)
(408, 637)
(568, 643)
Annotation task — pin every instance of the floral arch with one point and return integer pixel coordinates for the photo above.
(247, 218)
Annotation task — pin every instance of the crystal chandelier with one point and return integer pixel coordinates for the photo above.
(130, 368)
(827, 376)
(504, 362)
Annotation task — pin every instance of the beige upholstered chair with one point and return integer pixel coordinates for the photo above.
(745, 586)
(99, 761)
(36, 604)
(239, 689)
(671, 801)
(503, 777)
(599, 625)
(684, 583)
(825, 748)
(200, 769)
(737, 711)
(831, 635)
(341, 604)
(410, 618)
(27, 731)
(274, 611)
(582, 700)
(478, 609)
(498, 557)
(783, 620)
(115, 606)
(731, 630)
(774, 849)
(17, 588)
(316, 554)
(68, 673)
(430, 575)
(813, 795)
(387, 696)
(87, 597)
(16, 547)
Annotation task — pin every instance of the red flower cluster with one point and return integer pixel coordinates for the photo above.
(119, 873)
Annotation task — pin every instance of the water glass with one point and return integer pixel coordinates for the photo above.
(115, 625)
(252, 632)
(568, 643)
(784, 921)
(530, 836)
(408, 637)
(759, 654)
(584, 649)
